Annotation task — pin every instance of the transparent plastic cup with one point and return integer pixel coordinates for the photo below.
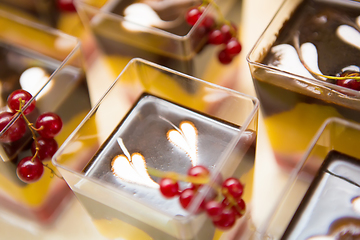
(158, 32)
(321, 197)
(295, 100)
(133, 124)
(46, 63)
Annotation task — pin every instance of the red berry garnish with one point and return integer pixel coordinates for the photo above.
(214, 209)
(226, 220)
(233, 47)
(47, 148)
(29, 170)
(233, 187)
(216, 37)
(185, 197)
(349, 83)
(168, 187)
(15, 132)
(49, 124)
(208, 22)
(193, 15)
(198, 171)
(13, 101)
(241, 206)
(228, 32)
(66, 5)
(224, 57)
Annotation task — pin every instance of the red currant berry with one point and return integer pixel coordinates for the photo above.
(239, 209)
(29, 170)
(169, 188)
(214, 209)
(66, 5)
(233, 187)
(241, 206)
(198, 171)
(216, 37)
(185, 197)
(226, 220)
(233, 47)
(15, 132)
(349, 83)
(228, 32)
(13, 101)
(224, 57)
(208, 22)
(49, 124)
(193, 15)
(47, 148)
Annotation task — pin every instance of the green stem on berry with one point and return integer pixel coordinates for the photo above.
(297, 48)
(30, 125)
(232, 200)
(32, 130)
(52, 171)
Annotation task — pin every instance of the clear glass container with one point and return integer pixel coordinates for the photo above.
(158, 32)
(48, 64)
(321, 200)
(133, 127)
(315, 35)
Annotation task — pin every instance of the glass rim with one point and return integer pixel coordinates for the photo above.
(153, 30)
(222, 158)
(254, 62)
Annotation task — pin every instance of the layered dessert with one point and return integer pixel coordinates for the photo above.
(307, 70)
(28, 58)
(159, 31)
(330, 207)
(158, 134)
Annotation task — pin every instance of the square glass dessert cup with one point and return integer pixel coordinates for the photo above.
(295, 66)
(158, 32)
(47, 64)
(151, 122)
(321, 200)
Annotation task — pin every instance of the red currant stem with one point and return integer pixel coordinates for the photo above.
(217, 8)
(231, 199)
(222, 19)
(37, 129)
(52, 171)
(178, 177)
(297, 48)
(30, 125)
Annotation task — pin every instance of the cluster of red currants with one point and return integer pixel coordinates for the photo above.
(223, 206)
(43, 147)
(222, 33)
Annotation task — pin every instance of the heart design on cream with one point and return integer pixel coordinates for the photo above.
(132, 168)
(185, 137)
